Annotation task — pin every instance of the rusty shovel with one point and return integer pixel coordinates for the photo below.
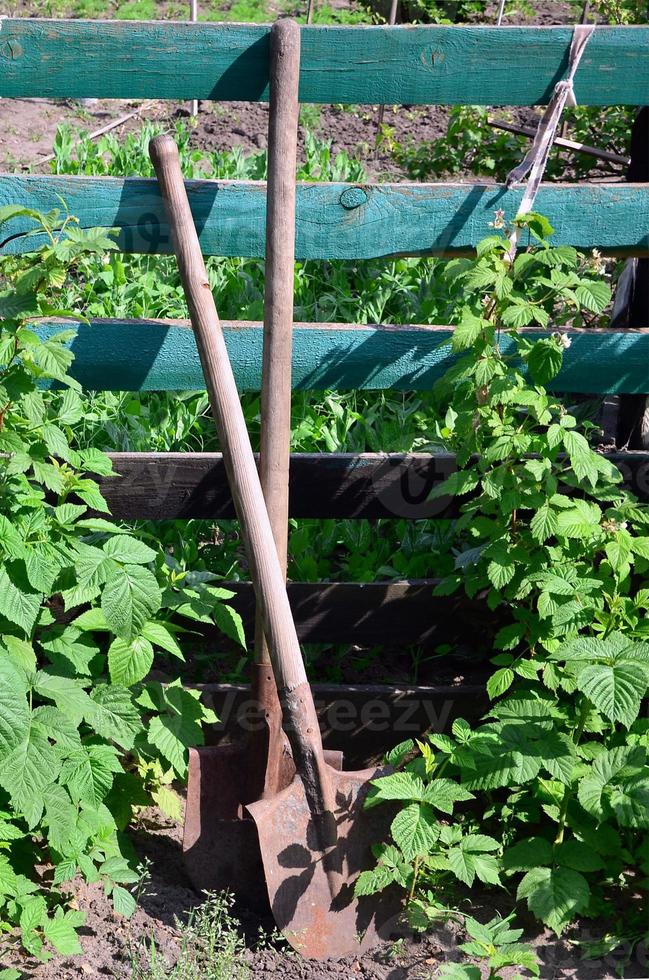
(315, 835)
(220, 842)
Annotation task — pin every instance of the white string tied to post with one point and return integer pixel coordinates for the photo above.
(536, 157)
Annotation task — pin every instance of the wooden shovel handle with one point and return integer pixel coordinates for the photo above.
(275, 445)
(266, 572)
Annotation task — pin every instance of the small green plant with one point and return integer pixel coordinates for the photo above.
(550, 791)
(496, 946)
(212, 947)
(84, 606)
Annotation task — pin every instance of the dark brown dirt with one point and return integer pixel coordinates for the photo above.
(111, 943)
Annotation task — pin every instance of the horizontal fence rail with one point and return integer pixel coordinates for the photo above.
(150, 355)
(334, 221)
(161, 486)
(369, 613)
(437, 65)
(363, 720)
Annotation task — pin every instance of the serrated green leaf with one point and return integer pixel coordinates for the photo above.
(130, 551)
(544, 524)
(129, 662)
(443, 794)
(616, 690)
(114, 715)
(415, 830)
(555, 895)
(130, 598)
(397, 786)
(160, 636)
(500, 682)
(593, 296)
(62, 935)
(88, 773)
(18, 603)
(544, 361)
(27, 770)
(534, 852)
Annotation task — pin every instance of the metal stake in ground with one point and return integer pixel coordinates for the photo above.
(315, 836)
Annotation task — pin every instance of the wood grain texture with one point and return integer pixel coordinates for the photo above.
(437, 65)
(279, 271)
(160, 486)
(265, 568)
(146, 355)
(334, 221)
(369, 613)
(362, 720)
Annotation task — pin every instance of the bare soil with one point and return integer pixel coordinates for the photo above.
(112, 943)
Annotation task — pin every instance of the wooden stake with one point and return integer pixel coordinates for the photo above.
(105, 129)
(592, 151)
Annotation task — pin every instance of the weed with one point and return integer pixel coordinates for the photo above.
(212, 947)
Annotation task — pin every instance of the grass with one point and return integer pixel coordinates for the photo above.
(239, 11)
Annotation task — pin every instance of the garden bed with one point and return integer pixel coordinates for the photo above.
(114, 947)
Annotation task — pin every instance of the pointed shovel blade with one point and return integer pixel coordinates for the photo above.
(316, 925)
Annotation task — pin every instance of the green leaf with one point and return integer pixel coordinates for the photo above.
(8, 877)
(130, 598)
(159, 635)
(56, 726)
(129, 662)
(471, 859)
(130, 551)
(443, 794)
(581, 520)
(123, 902)
(15, 716)
(582, 457)
(534, 852)
(398, 786)
(457, 484)
(62, 935)
(67, 694)
(174, 732)
(415, 830)
(555, 895)
(545, 360)
(468, 330)
(616, 690)
(88, 773)
(229, 622)
(578, 856)
(17, 602)
(27, 770)
(499, 682)
(500, 574)
(114, 715)
(593, 296)
(544, 524)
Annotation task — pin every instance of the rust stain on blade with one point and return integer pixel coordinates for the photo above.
(298, 873)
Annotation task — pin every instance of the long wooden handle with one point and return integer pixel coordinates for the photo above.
(266, 572)
(275, 446)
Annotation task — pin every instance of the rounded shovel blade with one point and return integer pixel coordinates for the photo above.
(315, 924)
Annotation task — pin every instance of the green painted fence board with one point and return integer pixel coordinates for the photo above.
(335, 220)
(155, 354)
(443, 65)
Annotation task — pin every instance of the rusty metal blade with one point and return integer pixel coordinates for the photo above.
(220, 842)
(298, 874)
